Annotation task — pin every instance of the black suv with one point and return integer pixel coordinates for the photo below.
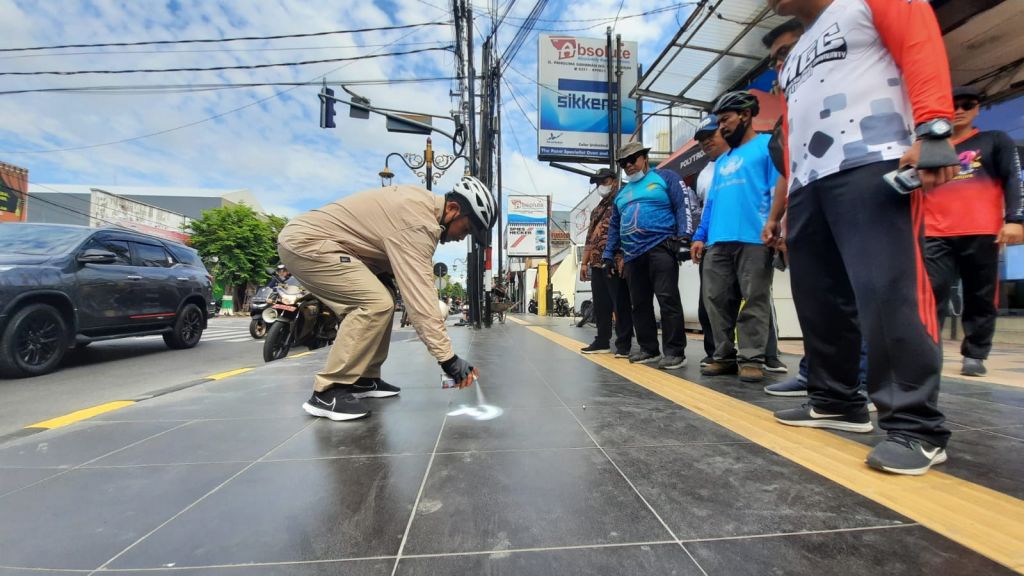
(64, 286)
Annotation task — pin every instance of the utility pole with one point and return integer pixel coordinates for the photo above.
(486, 157)
(498, 187)
(473, 278)
(618, 92)
(611, 124)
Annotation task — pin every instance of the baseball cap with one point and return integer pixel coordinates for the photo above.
(601, 175)
(966, 92)
(707, 127)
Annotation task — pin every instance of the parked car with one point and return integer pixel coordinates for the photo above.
(65, 286)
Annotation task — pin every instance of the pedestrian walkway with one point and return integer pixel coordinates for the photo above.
(555, 463)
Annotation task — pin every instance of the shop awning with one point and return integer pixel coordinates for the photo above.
(984, 44)
(719, 45)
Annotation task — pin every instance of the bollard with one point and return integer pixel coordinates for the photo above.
(542, 289)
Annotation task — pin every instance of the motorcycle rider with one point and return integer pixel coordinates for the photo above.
(280, 277)
(344, 253)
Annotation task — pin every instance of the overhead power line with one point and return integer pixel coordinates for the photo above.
(189, 124)
(208, 50)
(667, 7)
(145, 89)
(234, 39)
(215, 68)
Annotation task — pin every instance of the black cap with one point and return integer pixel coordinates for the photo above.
(601, 175)
(966, 92)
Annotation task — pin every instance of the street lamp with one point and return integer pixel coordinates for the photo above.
(429, 160)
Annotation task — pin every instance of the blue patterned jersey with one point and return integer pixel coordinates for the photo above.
(647, 212)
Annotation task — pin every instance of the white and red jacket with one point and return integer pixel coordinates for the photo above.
(858, 81)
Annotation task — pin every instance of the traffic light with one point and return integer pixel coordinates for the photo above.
(326, 107)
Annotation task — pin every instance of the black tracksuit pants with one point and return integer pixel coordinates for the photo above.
(856, 263)
(656, 274)
(611, 294)
(975, 261)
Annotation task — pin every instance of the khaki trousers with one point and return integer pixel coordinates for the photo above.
(354, 293)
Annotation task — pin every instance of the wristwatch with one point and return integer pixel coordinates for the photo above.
(937, 129)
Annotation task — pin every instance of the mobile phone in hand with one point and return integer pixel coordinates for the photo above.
(903, 180)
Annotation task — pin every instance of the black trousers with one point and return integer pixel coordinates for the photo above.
(702, 317)
(856, 262)
(656, 274)
(611, 294)
(975, 261)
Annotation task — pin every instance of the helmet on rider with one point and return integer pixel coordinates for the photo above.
(476, 202)
(737, 101)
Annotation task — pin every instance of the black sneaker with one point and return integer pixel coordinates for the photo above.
(807, 416)
(901, 454)
(373, 388)
(775, 365)
(336, 405)
(596, 349)
(672, 362)
(791, 387)
(973, 367)
(622, 353)
(707, 360)
(642, 357)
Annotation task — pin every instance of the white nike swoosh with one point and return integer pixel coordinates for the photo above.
(932, 453)
(331, 405)
(815, 414)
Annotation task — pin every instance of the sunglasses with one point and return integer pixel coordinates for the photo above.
(631, 159)
(966, 106)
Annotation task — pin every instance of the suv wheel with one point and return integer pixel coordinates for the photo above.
(34, 342)
(188, 328)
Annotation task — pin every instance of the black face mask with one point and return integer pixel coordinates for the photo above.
(444, 228)
(736, 138)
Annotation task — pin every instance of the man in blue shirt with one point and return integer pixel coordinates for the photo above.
(735, 212)
(652, 223)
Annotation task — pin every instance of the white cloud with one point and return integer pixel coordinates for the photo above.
(274, 147)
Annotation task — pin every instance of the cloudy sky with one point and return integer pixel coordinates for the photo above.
(267, 139)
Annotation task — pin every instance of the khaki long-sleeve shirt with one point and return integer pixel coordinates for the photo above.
(391, 230)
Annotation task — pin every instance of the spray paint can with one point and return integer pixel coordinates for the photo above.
(449, 382)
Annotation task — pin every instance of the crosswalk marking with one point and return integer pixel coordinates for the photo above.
(232, 334)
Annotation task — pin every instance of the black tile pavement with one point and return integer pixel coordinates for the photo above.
(527, 493)
(907, 551)
(642, 560)
(80, 519)
(292, 511)
(504, 500)
(722, 490)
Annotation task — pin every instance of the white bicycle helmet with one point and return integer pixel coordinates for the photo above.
(483, 212)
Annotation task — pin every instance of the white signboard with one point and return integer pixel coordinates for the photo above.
(527, 233)
(579, 218)
(573, 95)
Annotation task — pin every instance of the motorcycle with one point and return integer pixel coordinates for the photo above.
(561, 305)
(263, 299)
(297, 318)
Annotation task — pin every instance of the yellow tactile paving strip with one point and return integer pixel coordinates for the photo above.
(80, 415)
(989, 522)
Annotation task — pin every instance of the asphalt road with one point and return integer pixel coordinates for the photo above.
(123, 369)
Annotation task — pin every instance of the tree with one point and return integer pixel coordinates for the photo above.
(276, 224)
(453, 289)
(243, 243)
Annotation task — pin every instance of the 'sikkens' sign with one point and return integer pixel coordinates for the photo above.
(573, 95)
